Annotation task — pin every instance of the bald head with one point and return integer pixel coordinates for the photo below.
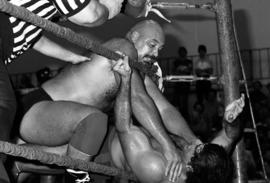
(122, 45)
(147, 37)
(147, 28)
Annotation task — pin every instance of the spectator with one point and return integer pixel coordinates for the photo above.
(182, 66)
(204, 69)
(257, 95)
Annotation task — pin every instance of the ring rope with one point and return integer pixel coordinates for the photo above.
(32, 153)
(69, 35)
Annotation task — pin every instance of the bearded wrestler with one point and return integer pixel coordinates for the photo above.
(79, 88)
(133, 148)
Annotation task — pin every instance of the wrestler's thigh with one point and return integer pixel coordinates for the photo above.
(53, 123)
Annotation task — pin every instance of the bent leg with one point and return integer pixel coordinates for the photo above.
(54, 123)
(88, 136)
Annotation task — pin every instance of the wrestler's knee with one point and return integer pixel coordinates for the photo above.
(90, 133)
(97, 121)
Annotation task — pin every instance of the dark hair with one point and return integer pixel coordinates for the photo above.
(211, 165)
(202, 48)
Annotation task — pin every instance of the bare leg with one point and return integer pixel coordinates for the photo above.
(67, 123)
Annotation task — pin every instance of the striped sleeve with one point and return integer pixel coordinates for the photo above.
(70, 7)
(24, 34)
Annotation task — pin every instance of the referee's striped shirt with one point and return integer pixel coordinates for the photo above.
(24, 34)
(70, 7)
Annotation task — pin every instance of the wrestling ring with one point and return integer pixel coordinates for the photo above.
(227, 39)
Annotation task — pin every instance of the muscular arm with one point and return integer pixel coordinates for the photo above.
(122, 107)
(52, 49)
(172, 119)
(146, 112)
(228, 136)
(232, 130)
(94, 14)
(147, 164)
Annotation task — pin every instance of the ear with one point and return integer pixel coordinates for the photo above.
(134, 36)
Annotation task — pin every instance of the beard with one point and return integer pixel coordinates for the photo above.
(149, 59)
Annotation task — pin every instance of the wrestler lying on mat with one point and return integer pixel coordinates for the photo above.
(133, 148)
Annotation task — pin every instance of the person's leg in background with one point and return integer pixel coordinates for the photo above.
(7, 113)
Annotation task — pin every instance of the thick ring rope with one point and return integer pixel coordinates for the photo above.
(70, 35)
(32, 153)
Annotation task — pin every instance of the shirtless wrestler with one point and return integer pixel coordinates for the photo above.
(71, 115)
(133, 148)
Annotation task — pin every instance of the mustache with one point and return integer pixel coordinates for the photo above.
(151, 58)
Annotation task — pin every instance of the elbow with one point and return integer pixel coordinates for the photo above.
(91, 18)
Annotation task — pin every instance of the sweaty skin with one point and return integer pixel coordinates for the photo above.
(148, 38)
(143, 155)
(97, 12)
(94, 84)
(133, 148)
(77, 91)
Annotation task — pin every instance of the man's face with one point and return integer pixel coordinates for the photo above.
(148, 46)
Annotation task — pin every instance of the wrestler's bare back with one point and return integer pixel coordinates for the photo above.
(76, 92)
(92, 83)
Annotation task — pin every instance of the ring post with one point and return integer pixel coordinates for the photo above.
(230, 67)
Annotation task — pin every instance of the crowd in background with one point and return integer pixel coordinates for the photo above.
(205, 113)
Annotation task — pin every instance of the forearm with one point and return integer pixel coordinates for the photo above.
(147, 114)
(177, 125)
(232, 127)
(172, 119)
(122, 107)
(233, 130)
(228, 136)
(52, 49)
